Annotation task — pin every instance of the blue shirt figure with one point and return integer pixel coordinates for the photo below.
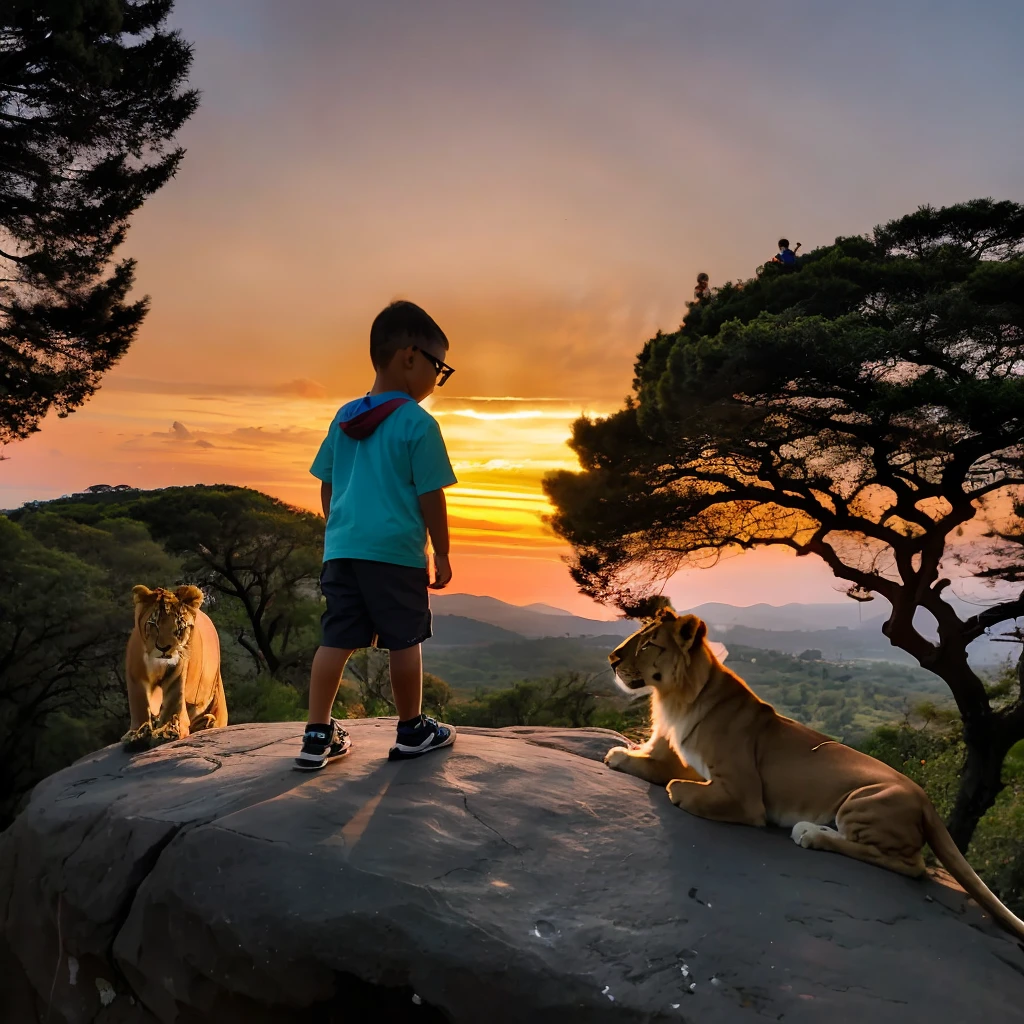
(380, 454)
(786, 256)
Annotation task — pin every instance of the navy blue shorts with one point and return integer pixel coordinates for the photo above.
(374, 604)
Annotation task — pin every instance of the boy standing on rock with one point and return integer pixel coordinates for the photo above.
(383, 468)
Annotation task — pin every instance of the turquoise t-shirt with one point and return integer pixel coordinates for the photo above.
(377, 481)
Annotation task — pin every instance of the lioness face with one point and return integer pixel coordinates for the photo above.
(165, 620)
(668, 655)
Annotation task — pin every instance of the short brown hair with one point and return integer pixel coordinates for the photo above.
(400, 324)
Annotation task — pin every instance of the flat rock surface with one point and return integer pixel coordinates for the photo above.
(510, 878)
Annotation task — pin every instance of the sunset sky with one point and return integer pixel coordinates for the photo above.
(546, 178)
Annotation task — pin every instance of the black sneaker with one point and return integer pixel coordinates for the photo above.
(321, 743)
(421, 739)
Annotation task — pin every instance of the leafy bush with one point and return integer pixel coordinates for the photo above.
(264, 699)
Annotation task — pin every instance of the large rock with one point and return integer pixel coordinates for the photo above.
(512, 878)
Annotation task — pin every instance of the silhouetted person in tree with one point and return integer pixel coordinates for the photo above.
(786, 256)
(703, 289)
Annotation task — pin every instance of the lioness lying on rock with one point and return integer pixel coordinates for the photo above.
(172, 668)
(726, 755)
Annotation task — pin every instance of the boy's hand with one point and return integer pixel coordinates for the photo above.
(442, 572)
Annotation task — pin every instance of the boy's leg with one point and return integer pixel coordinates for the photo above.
(407, 681)
(324, 680)
(415, 734)
(346, 627)
(399, 606)
(324, 737)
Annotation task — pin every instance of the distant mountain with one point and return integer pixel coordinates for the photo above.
(527, 621)
(843, 644)
(787, 616)
(490, 666)
(838, 645)
(458, 631)
(546, 609)
(837, 630)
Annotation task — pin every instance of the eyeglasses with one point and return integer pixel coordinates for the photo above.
(441, 368)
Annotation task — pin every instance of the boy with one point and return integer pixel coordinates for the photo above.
(383, 468)
(786, 256)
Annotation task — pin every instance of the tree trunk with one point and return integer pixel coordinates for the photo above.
(980, 779)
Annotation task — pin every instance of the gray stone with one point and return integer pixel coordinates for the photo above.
(511, 878)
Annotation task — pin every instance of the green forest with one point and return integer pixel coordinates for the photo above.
(66, 572)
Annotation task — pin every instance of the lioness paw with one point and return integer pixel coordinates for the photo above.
(617, 757)
(804, 833)
(166, 733)
(138, 739)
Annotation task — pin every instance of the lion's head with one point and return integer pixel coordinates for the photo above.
(669, 655)
(165, 620)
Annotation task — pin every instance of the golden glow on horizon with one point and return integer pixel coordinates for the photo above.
(148, 437)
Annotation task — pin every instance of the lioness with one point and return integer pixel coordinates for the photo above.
(172, 668)
(725, 754)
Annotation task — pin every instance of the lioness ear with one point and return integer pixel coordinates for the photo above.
(140, 593)
(688, 631)
(191, 597)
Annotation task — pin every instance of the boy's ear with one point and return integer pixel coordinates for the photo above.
(688, 631)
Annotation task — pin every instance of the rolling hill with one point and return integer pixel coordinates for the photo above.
(529, 621)
(841, 631)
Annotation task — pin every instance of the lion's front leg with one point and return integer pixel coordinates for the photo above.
(138, 703)
(714, 800)
(172, 723)
(655, 762)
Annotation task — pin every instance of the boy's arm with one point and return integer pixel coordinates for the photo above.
(326, 490)
(435, 514)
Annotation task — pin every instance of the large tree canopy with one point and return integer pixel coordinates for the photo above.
(246, 545)
(866, 407)
(64, 617)
(91, 94)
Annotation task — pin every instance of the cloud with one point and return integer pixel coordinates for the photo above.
(180, 437)
(458, 522)
(299, 387)
(261, 437)
(177, 432)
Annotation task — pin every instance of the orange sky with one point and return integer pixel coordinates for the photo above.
(546, 179)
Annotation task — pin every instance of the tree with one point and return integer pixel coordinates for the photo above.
(64, 620)
(866, 409)
(371, 669)
(91, 94)
(437, 694)
(121, 548)
(233, 542)
(247, 546)
(571, 698)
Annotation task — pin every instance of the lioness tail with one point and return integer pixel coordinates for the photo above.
(956, 864)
